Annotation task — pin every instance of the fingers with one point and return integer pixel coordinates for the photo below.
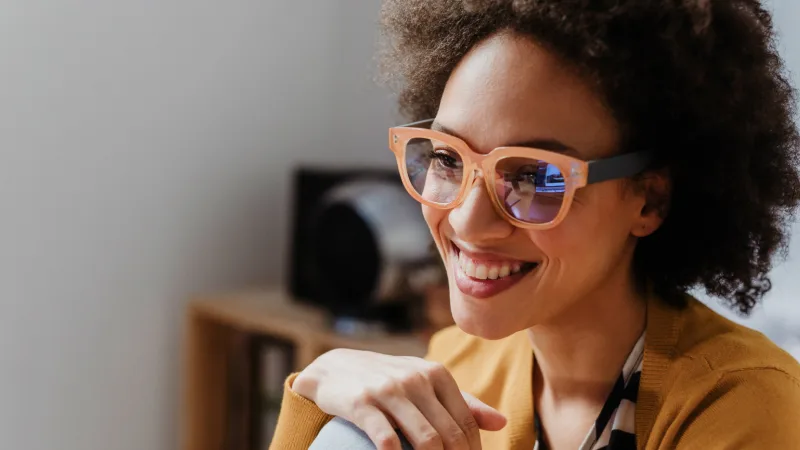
(414, 425)
(380, 393)
(372, 421)
(487, 418)
(452, 435)
(449, 396)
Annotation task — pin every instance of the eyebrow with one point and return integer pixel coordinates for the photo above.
(549, 144)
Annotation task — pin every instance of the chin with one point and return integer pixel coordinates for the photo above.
(477, 318)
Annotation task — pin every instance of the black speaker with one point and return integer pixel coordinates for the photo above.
(360, 246)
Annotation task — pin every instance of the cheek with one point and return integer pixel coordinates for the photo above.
(591, 236)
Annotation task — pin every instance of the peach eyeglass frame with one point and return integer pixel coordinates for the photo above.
(577, 173)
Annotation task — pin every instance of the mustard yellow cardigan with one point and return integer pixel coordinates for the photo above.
(707, 383)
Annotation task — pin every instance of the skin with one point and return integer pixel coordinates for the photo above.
(579, 305)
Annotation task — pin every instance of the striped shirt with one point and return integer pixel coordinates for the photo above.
(614, 427)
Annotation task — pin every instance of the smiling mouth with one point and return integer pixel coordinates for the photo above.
(491, 270)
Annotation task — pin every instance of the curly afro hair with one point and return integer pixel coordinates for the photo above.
(698, 81)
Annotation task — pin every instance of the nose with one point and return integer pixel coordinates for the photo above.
(476, 220)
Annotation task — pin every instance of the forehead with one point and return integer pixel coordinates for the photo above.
(510, 89)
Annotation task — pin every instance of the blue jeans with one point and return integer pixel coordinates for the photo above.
(340, 434)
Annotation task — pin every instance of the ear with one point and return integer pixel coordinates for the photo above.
(654, 189)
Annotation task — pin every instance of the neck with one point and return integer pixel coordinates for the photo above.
(579, 355)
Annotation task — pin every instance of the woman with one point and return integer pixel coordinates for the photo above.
(586, 165)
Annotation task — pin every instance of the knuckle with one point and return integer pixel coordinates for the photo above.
(387, 441)
(469, 424)
(360, 415)
(387, 388)
(436, 371)
(414, 381)
(456, 439)
(377, 394)
(364, 398)
(430, 440)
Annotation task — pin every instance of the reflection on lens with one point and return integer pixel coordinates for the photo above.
(435, 170)
(530, 190)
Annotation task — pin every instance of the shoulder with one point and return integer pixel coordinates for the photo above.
(711, 343)
(724, 375)
(748, 408)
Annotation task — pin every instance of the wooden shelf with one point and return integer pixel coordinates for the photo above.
(273, 313)
(213, 322)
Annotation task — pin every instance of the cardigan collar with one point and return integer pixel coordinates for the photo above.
(661, 337)
(662, 331)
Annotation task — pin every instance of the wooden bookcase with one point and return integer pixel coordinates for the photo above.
(213, 322)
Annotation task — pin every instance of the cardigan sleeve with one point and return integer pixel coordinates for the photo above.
(299, 422)
(756, 408)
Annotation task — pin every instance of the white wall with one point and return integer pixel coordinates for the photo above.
(144, 149)
(144, 154)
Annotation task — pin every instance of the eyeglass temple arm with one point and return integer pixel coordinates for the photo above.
(417, 123)
(620, 166)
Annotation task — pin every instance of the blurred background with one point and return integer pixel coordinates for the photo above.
(147, 151)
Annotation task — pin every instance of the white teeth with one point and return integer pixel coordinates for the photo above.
(481, 272)
(504, 271)
(470, 270)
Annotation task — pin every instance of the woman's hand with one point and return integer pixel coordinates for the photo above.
(379, 392)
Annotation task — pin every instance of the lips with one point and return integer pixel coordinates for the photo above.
(483, 275)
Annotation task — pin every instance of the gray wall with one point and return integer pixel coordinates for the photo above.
(144, 150)
(145, 154)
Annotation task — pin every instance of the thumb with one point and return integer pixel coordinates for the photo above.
(488, 418)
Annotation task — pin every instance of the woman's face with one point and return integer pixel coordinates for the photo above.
(509, 90)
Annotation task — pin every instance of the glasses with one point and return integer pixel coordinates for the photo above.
(529, 187)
